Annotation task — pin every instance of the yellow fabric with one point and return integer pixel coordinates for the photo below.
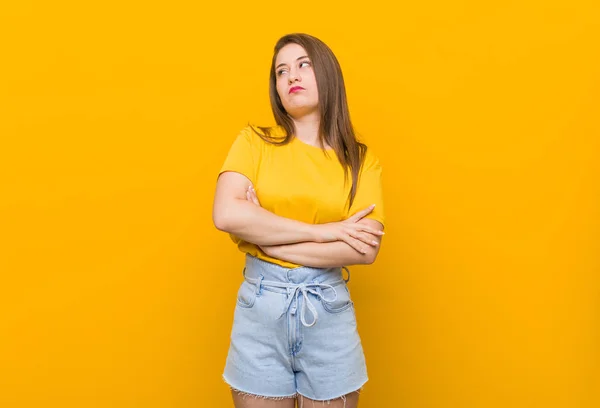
(301, 182)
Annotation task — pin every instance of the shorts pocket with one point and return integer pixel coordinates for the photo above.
(246, 295)
(342, 300)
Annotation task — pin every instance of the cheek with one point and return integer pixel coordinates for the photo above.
(280, 90)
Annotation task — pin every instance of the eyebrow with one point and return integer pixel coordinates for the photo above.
(297, 59)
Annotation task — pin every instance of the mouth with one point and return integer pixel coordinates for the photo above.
(295, 89)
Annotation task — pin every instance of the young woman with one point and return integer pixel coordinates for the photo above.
(302, 200)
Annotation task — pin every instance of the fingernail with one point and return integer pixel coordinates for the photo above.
(375, 243)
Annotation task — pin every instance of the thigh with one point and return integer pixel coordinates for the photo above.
(346, 401)
(331, 361)
(242, 400)
(258, 361)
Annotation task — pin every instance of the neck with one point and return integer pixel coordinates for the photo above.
(307, 128)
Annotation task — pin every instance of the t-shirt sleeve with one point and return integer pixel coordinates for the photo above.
(369, 190)
(243, 155)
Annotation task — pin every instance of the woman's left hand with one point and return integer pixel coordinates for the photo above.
(251, 196)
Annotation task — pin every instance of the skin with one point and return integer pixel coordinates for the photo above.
(248, 401)
(293, 68)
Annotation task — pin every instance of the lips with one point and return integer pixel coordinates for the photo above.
(296, 89)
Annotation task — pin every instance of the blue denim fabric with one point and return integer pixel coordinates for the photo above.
(294, 332)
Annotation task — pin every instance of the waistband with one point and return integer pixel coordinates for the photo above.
(295, 282)
(255, 267)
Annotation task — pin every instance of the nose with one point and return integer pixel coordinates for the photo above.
(294, 77)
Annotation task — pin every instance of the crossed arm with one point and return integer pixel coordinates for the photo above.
(237, 211)
(321, 254)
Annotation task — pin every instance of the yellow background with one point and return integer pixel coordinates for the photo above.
(117, 291)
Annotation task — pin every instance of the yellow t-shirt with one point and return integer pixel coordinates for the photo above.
(299, 181)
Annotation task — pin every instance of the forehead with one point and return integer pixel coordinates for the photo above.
(289, 53)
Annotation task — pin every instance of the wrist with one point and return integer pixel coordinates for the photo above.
(311, 231)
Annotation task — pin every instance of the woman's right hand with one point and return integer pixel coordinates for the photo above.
(352, 232)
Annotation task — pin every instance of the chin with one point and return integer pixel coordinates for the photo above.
(299, 110)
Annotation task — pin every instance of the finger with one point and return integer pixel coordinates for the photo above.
(254, 197)
(364, 228)
(356, 244)
(361, 214)
(251, 196)
(367, 239)
(364, 237)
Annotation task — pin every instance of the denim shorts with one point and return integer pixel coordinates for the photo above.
(294, 333)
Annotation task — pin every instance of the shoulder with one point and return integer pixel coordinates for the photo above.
(258, 135)
(371, 159)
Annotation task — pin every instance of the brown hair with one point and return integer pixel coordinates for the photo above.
(335, 127)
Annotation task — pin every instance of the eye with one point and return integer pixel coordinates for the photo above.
(280, 71)
(307, 63)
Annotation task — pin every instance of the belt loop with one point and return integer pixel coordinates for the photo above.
(259, 285)
(347, 270)
(318, 287)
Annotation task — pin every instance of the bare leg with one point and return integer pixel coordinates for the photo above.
(346, 401)
(243, 400)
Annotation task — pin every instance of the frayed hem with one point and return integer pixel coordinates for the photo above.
(327, 401)
(245, 394)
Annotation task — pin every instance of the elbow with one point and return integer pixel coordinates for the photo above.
(221, 221)
(369, 260)
(227, 216)
(370, 257)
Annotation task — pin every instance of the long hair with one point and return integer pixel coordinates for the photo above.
(335, 127)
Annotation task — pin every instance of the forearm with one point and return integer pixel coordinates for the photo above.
(254, 224)
(322, 255)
